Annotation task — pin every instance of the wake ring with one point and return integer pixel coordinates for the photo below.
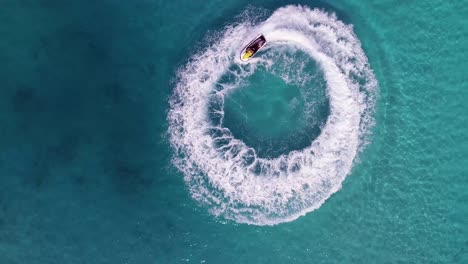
(225, 174)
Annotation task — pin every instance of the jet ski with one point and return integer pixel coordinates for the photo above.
(252, 48)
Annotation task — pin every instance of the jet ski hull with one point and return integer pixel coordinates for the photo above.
(252, 48)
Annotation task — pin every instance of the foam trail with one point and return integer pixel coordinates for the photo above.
(222, 171)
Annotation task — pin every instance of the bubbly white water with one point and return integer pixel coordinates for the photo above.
(225, 174)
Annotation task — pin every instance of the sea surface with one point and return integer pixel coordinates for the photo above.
(101, 160)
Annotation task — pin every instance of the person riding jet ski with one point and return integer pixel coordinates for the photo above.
(252, 48)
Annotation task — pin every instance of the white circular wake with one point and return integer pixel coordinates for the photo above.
(227, 175)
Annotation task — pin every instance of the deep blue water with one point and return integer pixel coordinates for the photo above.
(85, 162)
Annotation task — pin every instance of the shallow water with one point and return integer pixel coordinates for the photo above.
(85, 161)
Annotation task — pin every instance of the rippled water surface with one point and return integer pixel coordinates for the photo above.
(132, 133)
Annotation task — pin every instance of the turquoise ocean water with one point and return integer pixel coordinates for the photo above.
(87, 170)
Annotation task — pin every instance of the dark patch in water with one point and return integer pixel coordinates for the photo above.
(40, 170)
(72, 44)
(150, 69)
(80, 180)
(65, 151)
(23, 99)
(129, 179)
(115, 93)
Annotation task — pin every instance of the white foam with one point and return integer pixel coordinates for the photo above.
(221, 171)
